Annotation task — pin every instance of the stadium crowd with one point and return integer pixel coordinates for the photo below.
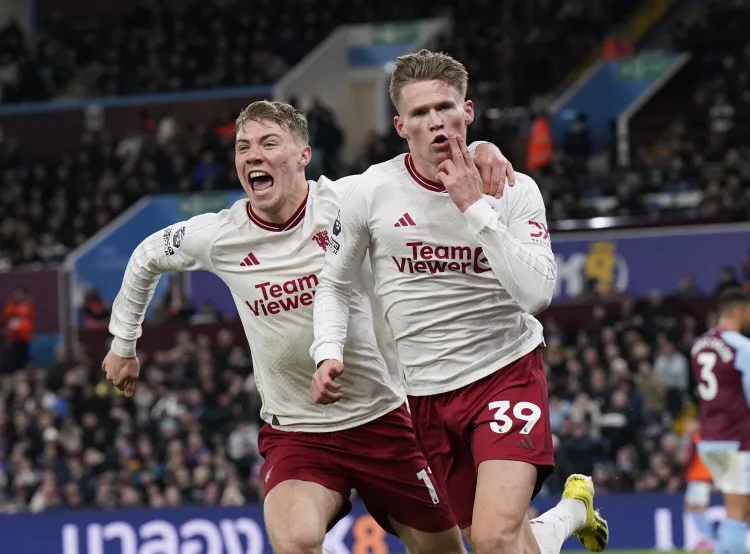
(48, 208)
(165, 46)
(618, 388)
(189, 436)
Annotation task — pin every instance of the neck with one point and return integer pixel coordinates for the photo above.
(728, 324)
(425, 168)
(289, 206)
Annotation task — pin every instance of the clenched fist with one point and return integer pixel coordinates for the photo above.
(123, 372)
(323, 387)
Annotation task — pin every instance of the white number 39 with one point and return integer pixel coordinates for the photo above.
(523, 411)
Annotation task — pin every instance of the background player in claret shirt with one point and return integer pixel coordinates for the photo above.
(459, 275)
(721, 365)
(698, 493)
(269, 251)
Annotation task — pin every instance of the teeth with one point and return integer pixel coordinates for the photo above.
(256, 174)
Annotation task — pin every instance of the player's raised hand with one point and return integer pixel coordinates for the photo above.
(323, 387)
(123, 372)
(495, 169)
(460, 176)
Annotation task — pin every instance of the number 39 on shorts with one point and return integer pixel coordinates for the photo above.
(525, 412)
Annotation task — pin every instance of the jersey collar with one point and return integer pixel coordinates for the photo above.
(291, 223)
(420, 180)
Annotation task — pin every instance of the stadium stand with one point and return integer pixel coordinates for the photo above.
(163, 46)
(190, 436)
(693, 135)
(619, 385)
(156, 156)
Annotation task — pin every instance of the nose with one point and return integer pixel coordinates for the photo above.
(436, 121)
(253, 155)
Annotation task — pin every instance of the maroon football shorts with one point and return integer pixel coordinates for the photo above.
(380, 459)
(504, 416)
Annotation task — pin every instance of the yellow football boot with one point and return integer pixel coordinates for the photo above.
(595, 533)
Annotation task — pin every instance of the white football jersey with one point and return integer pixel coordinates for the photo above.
(458, 289)
(272, 272)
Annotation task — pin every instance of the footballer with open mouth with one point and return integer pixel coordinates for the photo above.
(270, 160)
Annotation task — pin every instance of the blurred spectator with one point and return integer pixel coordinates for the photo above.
(652, 388)
(539, 148)
(577, 144)
(325, 137)
(205, 314)
(727, 279)
(582, 448)
(618, 45)
(18, 322)
(688, 287)
(671, 367)
(95, 311)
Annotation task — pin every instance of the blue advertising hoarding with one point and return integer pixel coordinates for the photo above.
(637, 521)
(637, 261)
(627, 261)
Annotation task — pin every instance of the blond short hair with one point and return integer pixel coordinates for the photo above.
(283, 114)
(427, 66)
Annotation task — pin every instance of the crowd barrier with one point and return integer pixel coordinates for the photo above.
(637, 521)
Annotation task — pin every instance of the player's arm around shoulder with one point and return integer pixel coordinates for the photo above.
(184, 246)
(336, 191)
(494, 168)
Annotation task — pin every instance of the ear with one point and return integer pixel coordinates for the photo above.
(399, 124)
(468, 112)
(305, 155)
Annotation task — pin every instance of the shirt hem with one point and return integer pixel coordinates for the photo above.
(475, 375)
(334, 427)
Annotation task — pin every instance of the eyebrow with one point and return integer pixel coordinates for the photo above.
(262, 139)
(426, 107)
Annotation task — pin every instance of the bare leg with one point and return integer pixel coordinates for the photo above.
(297, 514)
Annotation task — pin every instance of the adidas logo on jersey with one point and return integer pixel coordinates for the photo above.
(249, 260)
(526, 443)
(405, 221)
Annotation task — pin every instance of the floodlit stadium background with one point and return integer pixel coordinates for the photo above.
(117, 118)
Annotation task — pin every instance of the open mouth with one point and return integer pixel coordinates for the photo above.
(260, 181)
(440, 140)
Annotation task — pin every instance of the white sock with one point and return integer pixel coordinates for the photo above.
(555, 526)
